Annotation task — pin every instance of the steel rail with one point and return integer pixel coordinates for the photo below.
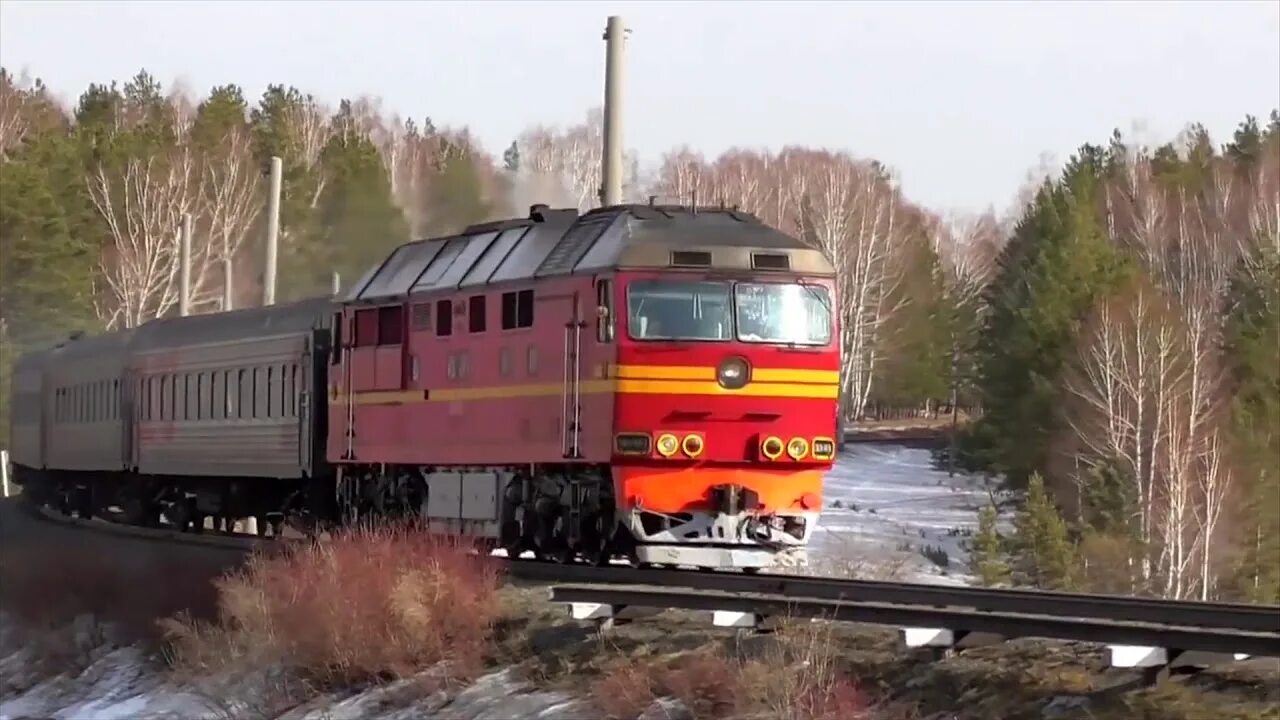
(1231, 616)
(1003, 624)
(1185, 613)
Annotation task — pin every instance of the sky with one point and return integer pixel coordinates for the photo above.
(964, 101)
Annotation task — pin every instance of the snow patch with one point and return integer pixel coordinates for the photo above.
(886, 504)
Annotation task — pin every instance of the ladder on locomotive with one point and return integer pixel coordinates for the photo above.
(571, 389)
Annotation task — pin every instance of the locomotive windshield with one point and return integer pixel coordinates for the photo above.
(783, 313)
(777, 313)
(679, 310)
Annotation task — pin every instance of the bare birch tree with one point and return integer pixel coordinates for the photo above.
(230, 199)
(142, 203)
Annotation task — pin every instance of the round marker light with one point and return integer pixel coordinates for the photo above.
(692, 445)
(798, 448)
(771, 448)
(733, 373)
(668, 444)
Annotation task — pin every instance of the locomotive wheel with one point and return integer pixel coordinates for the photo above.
(512, 539)
(83, 497)
(140, 510)
(597, 546)
(563, 554)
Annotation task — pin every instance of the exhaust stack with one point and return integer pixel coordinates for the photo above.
(611, 172)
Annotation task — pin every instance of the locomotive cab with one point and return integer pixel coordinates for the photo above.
(727, 378)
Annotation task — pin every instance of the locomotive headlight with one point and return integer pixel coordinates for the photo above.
(733, 373)
(692, 445)
(824, 448)
(798, 448)
(668, 444)
(771, 447)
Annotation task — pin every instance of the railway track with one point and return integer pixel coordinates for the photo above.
(1004, 624)
(1206, 616)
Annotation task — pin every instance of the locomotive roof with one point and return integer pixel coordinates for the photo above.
(562, 242)
(265, 321)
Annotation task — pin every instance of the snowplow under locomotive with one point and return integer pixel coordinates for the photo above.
(651, 382)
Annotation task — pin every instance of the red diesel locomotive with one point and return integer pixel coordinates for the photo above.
(656, 382)
(651, 382)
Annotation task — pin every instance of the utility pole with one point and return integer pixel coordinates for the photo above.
(273, 233)
(611, 175)
(184, 270)
(335, 284)
(227, 297)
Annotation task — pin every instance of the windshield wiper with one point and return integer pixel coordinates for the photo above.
(821, 296)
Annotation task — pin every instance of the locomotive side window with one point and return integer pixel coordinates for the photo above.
(604, 311)
(390, 325)
(475, 313)
(444, 317)
(366, 327)
(517, 309)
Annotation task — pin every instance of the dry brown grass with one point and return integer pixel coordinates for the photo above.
(797, 676)
(363, 606)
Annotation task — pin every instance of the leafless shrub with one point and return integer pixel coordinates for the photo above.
(363, 606)
(797, 676)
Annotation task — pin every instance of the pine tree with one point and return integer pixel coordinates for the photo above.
(917, 361)
(987, 556)
(456, 196)
(1253, 334)
(1056, 264)
(356, 222)
(1046, 557)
